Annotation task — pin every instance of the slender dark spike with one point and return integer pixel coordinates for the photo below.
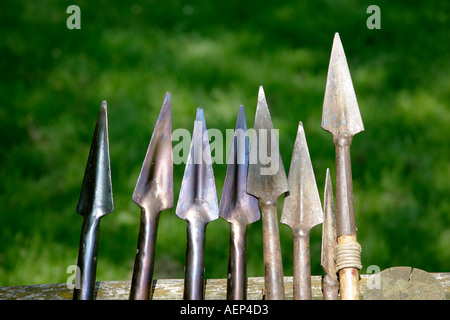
(96, 201)
(197, 204)
(267, 181)
(330, 284)
(239, 208)
(302, 211)
(154, 194)
(341, 117)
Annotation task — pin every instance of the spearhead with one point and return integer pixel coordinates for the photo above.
(198, 198)
(155, 183)
(197, 204)
(302, 209)
(96, 195)
(96, 201)
(266, 176)
(236, 205)
(267, 180)
(342, 118)
(340, 114)
(154, 194)
(330, 284)
(239, 208)
(328, 229)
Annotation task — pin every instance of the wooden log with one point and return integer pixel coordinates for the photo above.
(172, 289)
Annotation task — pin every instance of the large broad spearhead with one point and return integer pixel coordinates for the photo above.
(239, 208)
(342, 118)
(155, 183)
(340, 114)
(197, 204)
(330, 284)
(96, 201)
(96, 192)
(154, 194)
(302, 211)
(267, 181)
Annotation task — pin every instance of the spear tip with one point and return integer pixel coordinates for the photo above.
(155, 183)
(96, 191)
(265, 180)
(340, 115)
(261, 94)
(241, 121)
(236, 204)
(302, 208)
(198, 197)
(200, 115)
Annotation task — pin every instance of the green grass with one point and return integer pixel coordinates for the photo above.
(215, 55)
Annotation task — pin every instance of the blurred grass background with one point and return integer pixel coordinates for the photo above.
(215, 54)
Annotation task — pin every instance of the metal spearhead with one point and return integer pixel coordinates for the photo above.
(330, 284)
(340, 114)
(302, 210)
(96, 192)
(239, 208)
(267, 180)
(96, 201)
(266, 176)
(342, 118)
(154, 194)
(198, 205)
(155, 183)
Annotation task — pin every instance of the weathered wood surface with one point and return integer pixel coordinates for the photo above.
(172, 289)
(405, 283)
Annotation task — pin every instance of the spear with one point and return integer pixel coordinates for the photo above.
(330, 284)
(197, 204)
(239, 208)
(302, 211)
(341, 117)
(96, 201)
(153, 194)
(267, 181)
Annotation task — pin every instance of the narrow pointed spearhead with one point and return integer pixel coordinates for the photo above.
(328, 230)
(96, 195)
(340, 114)
(155, 183)
(198, 198)
(302, 209)
(236, 204)
(266, 176)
